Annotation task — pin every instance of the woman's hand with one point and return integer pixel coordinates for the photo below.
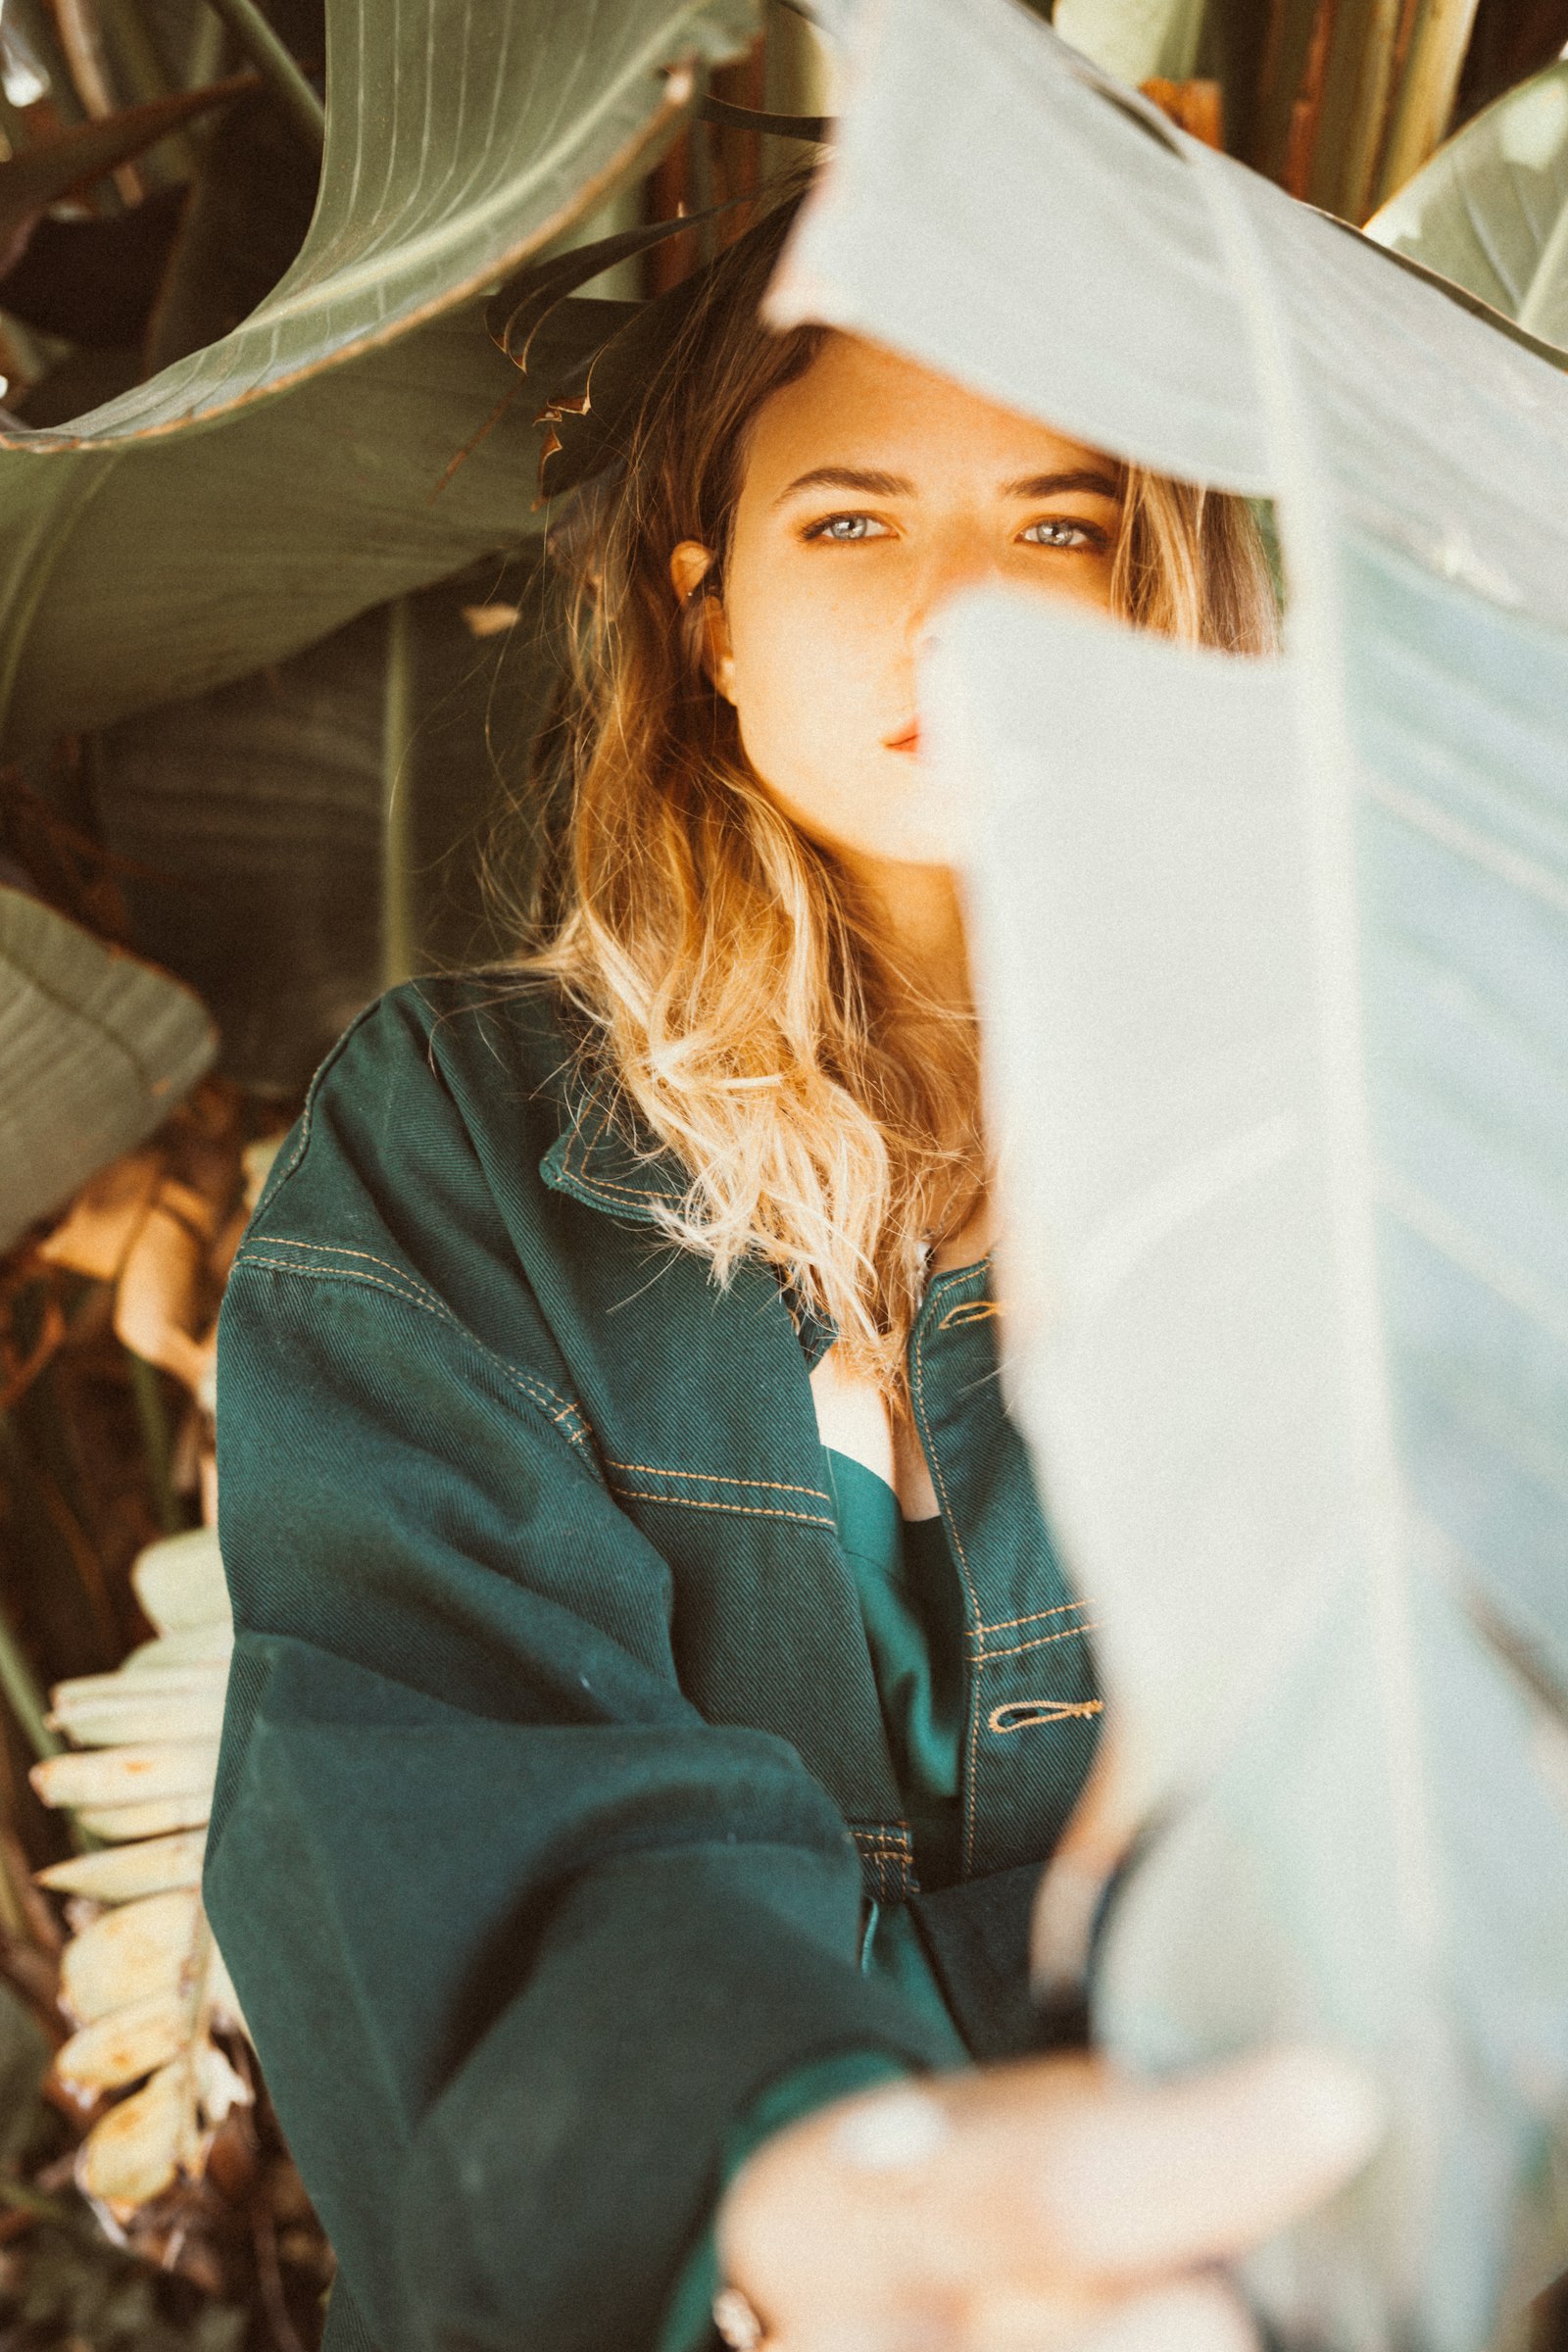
(1039, 2205)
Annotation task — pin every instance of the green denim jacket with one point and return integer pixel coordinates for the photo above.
(555, 1781)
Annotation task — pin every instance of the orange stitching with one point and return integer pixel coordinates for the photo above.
(580, 1171)
(971, 1310)
(535, 1392)
(409, 1297)
(714, 1478)
(992, 1657)
(419, 1295)
(286, 1240)
(955, 1274)
(746, 1510)
(1051, 1710)
(1010, 1625)
(419, 1292)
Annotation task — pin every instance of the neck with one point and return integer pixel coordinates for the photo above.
(921, 919)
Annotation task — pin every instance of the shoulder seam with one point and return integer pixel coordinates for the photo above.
(563, 1411)
(280, 1176)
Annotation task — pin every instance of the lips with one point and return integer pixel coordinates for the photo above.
(907, 740)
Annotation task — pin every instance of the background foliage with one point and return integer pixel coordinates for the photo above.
(278, 636)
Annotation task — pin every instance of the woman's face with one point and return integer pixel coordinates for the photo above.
(873, 491)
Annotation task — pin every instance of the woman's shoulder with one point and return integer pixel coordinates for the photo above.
(440, 1086)
(407, 1222)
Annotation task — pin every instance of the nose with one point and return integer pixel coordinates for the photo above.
(962, 556)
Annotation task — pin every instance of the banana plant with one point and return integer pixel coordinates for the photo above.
(96, 1047)
(1272, 957)
(296, 841)
(358, 435)
(1491, 209)
(143, 1983)
(1341, 101)
(1137, 40)
(140, 1981)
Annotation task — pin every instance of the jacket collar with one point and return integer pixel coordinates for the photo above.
(604, 1157)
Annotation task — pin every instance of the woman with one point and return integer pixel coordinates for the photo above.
(654, 1692)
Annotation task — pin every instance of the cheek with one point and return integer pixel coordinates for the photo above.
(1096, 585)
(805, 680)
(1083, 581)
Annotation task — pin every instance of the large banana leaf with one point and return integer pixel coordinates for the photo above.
(264, 490)
(1137, 39)
(286, 845)
(1273, 959)
(1490, 208)
(96, 1047)
(1461, 466)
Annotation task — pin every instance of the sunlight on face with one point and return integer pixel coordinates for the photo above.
(873, 490)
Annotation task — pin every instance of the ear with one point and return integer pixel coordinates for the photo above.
(689, 567)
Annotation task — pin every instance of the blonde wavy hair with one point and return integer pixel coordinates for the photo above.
(730, 976)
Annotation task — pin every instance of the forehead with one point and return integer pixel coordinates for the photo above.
(860, 404)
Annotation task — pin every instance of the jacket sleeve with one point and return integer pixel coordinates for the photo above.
(519, 1935)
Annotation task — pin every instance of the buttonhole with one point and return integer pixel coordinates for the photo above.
(1020, 1713)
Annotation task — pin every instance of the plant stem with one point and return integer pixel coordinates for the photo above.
(1424, 101)
(19, 1689)
(37, 26)
(140, 66)
(13, 1919)
(397, 785)
(204, 57)
(1355, 101)
(702, 153)
(132, 50)
(277, 67)
(147, 1391)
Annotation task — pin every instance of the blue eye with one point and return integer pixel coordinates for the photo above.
(1053, 533)
(846, 529)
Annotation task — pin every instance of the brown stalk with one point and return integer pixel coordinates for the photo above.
(1357, 92)
(1419, 118)
(81, 39)
(1197, 107)
(1306, 110)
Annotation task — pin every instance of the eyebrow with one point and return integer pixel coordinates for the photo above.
(894, 485)
(1049, 485)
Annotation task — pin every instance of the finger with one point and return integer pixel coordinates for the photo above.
(1144, 2180)
(1198, 2315)
(1068, 1897)
(875, 2331)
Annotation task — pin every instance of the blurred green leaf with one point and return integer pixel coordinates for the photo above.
(1491, 209)
(76, 2289)
(94, 281)
(39, 175)
(23, 2055)
(271, 486)
(96, 1047)
(1135, 39)
(246, 218)
(256, 815)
